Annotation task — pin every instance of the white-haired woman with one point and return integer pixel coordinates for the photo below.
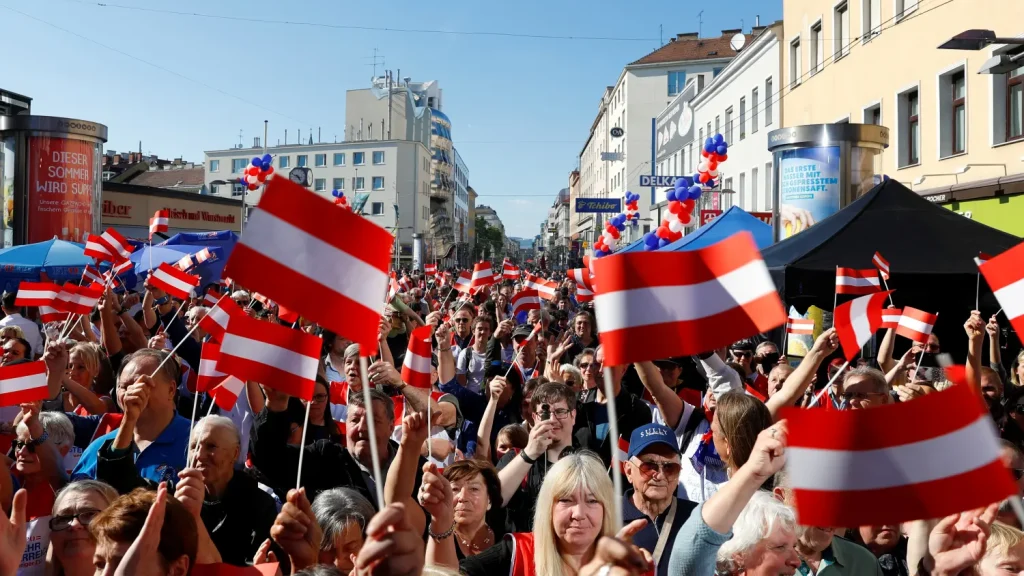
(573, 511)
(71, 544)
(342, 514)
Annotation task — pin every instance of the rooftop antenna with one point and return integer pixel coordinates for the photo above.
(239, 137)
(375, 60)
(700, 22)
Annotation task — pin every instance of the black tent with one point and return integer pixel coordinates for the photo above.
(930, 249)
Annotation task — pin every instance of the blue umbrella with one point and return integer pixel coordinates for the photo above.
(170, 255)
(55, 260)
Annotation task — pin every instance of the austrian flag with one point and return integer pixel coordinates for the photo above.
(481, 277)
(36, 294)
(175, 282)
(916, 324)
(882, 264)
(584, 284)
(223, 387)
(857, 320)
(160, 222)
(274, 355)
(802, 326)
(23, 383)
(852, 281)
(216, 320)
(524, 301)
(1005, 275)
(464, 283)
(416, 367)
(891, 318)
(509, 271)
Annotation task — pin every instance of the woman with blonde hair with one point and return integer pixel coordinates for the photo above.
(572, 376)
(84, 365)
(71, 544)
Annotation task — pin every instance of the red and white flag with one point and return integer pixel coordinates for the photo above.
(653, 305)
(323, 261)
(271, 354)
(175, 282)
(853, 281)
(464, 283)
(891, 318)
(416, 366)
(524, 301)
(222, 387)
(982, 258)
(120, 247)
(160, 222)
(1005, 276)
(215, 321)
(227, 392)
(430, 269)
(36, 294)
(509, 272)
(929, 458)
(545, 288)
(49, 314)
(204, 255)
(882, 264)
(481, 276)
(185, 263)
(584, 284)
(287, 315)
(212, 296)
(21, 383)
(393, 287)
(857, 320)
(78, 299)
(405, 283)
(803, 326)
(122, 267)
(916, 324)
(93, 274)
(623, 449)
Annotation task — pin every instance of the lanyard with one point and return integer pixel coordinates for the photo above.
(666, 529)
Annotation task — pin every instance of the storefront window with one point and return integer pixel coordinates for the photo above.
(1015, 104)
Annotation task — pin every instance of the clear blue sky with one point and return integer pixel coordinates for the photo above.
(521, 108)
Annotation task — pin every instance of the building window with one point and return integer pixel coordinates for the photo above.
(214, 165)
(768, 186)
(237, 189)
(378, 182)
(1015, 104)
(339, 159)
(338, 184)
(904, 7)
(716, 71)
(794, 63)
(871, 19)
(676, 81)
(283, 161)
(358, 183)
(302, 160)
(359, 158)
(873, 115)
(841, 30)
(728, 125)
(958, 85)
(908, 111)
(320, 160)
(743, 191)
(710, 133)
(238, 165)
(377, 209)
(320, 184)
(753, 189)
(754, 100)
(768, 96)
(743, 118)
(378, 158)
(817, 43)
(718, 124)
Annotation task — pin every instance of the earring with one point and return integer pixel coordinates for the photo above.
(488, 505)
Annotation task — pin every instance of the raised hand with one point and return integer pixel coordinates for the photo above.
(191, 491)
(414, 430)
(992, 328)
(827, 342)
(769, 453)
(136, 398)
(541, 436)
(392, 547)
(12, 534)
(497, 387)
(436, 497)
(974, 327)
(958, 542)
(295, 530)
(138, 561)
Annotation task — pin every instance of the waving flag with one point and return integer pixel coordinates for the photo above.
(204, 255)
(36, 294)
(464, 283)
(21, 383)
(882, 264)
(509, 271)
(160, 222)
(929, 458)
(78, 299)
(654, 305)
(185, 263)
(286, 315)
(545, 288)
(584, 284)
(271, 354)
(800, 326)
(405, 283)
(857, 320)
(891, 318)
(208, 375)
(175, 282)
(852, 281)
(416, 367)
(110, 245)
(524, 301)
(916, 324)
(481, 276)
(1005, 276)
(215, 322)
(982, 258)
(48, 314)
(320, 260)
(430, 269)
(212, 296)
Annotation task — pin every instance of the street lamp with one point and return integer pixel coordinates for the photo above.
(1002, 63)
(245, 191)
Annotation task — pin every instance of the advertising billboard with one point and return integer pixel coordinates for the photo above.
(61, 184)
(808, 187)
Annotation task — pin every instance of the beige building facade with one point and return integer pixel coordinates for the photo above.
(955, 135)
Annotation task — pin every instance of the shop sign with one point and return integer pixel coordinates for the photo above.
(61, 185)
(707, 216)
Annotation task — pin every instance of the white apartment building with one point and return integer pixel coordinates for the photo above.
(741, 103)
(644, 88)
(392, 172)
(460, 215)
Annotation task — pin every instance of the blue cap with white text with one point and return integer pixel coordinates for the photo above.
(649, 434)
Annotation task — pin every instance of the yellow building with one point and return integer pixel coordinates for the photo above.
(956, 136)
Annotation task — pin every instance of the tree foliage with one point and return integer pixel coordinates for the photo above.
(489, 241)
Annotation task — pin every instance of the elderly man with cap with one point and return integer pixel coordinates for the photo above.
(652, 466)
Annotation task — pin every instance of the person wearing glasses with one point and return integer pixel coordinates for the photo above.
(471, 365)
(864, 387)
(75, 507)
(462, 336)
(652, 467)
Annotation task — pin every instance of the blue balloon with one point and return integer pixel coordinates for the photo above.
(650, 238)
(719, 139)
(265, 166)
(695, 192)
(695, 189)
(722, 150)
(696, 177)
(670, 195)
(662, 243)
(710, 183)
(267, 158)
(679, 183)
(257, 161)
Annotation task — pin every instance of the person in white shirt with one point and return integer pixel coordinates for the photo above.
(14, 318)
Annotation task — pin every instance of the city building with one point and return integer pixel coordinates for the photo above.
(739, 103)
(574, 193)
(12, 104)
(557, 230)
(956, 135)
(611, 164)
(490, 217)
(392, 175)
(127, 207)
(460, 211)
(471, 218)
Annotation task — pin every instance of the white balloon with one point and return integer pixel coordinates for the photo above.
(676, 226)
(713, 173)
(702, 166)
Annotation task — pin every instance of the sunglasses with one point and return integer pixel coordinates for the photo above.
(63, 522)
(461, 320)
(742, 354)
(586, 365)
(18, 445)
(666, 468)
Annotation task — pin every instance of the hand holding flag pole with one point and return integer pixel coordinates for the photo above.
(364, 370)
(183, 340)
(613, 432)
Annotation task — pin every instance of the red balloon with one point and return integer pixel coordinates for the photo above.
(675, 236)
(686, 217)
(723, 157)
(662, 232)
(614, 232)
(261, 177)
(704, 153)
(253, 186)
(252, 171)
(675, 207)
(712, 165)
(687, 205)
(704, 177)
(270, 170)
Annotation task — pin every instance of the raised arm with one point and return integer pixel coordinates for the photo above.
(995, 358)
(669, 404)
(885, 349)
(721, 378)
(797, 382)
(495, 388)
(109, 310)
(445, 358)
(975, 329)
(401, 476)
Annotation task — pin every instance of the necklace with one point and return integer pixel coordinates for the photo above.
(471, 547)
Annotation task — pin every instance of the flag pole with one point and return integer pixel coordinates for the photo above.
(818, 396)
(921, 356)
(835, 299)
(785, 341)
(430, 452)
(192, 423)
(516, 355)
(302, 443)
(613, 434)
(178, 345)
(184, 304)
(364, 370)
(977, 292)
(886, 284)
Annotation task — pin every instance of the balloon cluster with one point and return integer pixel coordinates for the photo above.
(258, 172)
(715, 151)
(339, 199)
(609, 240)
(632, 212)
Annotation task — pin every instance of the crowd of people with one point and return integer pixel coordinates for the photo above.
(501, 467)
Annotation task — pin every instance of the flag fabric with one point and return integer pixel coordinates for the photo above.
(160, 222)
(509, 271)
(916, 324)
(882, 264)
(982, 258)
(78, 299)
(204, 255)
(522, 302)
(1005, 276)
(859, 282)
(430, 269)
(323, 261)
(215, 321)
(623, 448)
(174, 281)
(36, 294)
(393, 287)
(212, 296)
(93, 274)
(929, 458)
(481, 276)
(654, 305)
(405, 283)
(274, 355)
(25, 382)
(110, 245)
(891, 318)
(49, 314)
(122, 267)
(803, 326)
(857, 320)
(96, 247)
(185, 263)
(464, 283)
(416, 367)
(497, 277)
(287, 315)
(584, 284)
(545, 288)
(224, 388)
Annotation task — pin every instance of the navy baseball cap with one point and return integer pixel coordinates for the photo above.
(649, 434)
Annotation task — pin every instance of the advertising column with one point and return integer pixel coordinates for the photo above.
(61, 188)
(808, 187)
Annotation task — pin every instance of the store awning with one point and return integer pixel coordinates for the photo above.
(987, 188)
